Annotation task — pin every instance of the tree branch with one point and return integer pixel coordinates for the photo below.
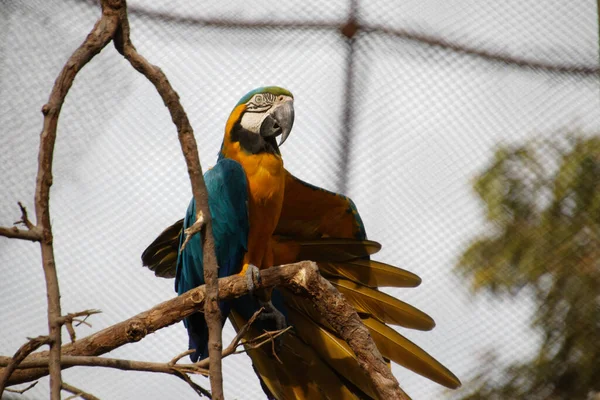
(21, 391)
(189, 148)
(172, 368)
(12, 364)
(24, 218)
(31, 233)
(98, 38)
(303, 278)
(77, 392)
(15, 233)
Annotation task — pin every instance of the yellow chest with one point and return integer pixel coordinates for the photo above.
(266, 184)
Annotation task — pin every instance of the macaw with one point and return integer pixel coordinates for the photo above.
(263, 216)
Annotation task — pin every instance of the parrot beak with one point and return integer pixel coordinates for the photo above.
(279, 121)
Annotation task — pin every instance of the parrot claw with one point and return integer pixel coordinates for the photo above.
(252, 274)
(273, 314)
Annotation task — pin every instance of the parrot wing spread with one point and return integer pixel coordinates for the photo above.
(325, 227)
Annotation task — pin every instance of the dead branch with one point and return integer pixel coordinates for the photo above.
(77, 392)
(189, 148)
(303, 278)
(23, 351)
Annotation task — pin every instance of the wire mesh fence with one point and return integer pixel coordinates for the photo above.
(398, 104)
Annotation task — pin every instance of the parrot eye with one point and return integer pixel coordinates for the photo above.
(259, 99)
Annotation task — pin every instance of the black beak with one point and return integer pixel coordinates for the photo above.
(279, 122)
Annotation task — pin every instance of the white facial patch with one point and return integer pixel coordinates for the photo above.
(252, 121)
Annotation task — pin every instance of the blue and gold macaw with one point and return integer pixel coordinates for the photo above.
(264, 216)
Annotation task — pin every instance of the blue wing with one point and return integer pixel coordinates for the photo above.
(227, 199)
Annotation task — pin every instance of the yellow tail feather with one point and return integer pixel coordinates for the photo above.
(399, 349)
(335, 250)
(371, 273)
(333, 350)
(382, 306)
(390, 343)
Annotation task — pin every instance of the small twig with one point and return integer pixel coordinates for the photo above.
(192, 230)
(21, 391)
(266, 337)
(68, 319)
(71, 331)
(235, 343)
(178, 357)
(82, 322)
(19, 356)
(24, 219)
(197, 388)
(32, 233)
(77, 392)
(238, 337)
(273, 350)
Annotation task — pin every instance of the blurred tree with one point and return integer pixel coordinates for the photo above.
(542, 203)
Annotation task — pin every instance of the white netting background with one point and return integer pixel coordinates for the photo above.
(425, 119)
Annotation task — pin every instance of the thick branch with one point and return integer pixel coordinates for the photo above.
(100, 35)
(303, 278)
(190, 152)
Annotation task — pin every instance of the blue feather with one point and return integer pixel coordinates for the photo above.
(227, 199)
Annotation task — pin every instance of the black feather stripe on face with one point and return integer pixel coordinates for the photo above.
(252, 142)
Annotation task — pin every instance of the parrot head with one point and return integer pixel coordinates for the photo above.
(259, 118)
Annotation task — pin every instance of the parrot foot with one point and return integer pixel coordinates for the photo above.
(252, 274)
(273, 314)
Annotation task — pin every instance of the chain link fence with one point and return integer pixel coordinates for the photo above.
(399, 104)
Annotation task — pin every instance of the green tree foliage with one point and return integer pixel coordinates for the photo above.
(542, 204)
